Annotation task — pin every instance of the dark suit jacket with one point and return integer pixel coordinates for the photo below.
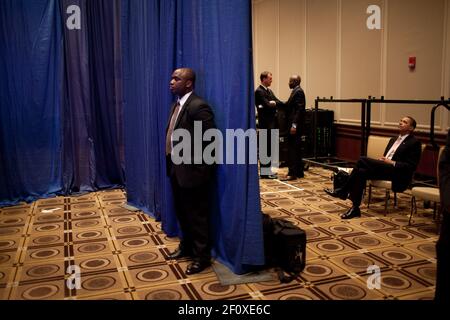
(191, 175)
(295, 109)
(266, 113)
(444, 176)
(406, 157)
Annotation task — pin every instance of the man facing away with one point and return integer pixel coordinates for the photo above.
(190, 181)
(295, 116)
(266, 104)
(398, 164)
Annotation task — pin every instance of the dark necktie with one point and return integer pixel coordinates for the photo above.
(171, 127)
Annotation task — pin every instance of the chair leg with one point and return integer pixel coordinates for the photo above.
(395, 199)
(413, 207)
(386, 202)
(370, 196)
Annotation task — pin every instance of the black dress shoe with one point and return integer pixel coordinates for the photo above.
(178, 254)
(352, 213)
(288, 178)
(337, 193)
(271, 176)
(196, 267)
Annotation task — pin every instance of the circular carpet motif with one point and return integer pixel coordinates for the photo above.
(330, 246)
(43, 270)
(367, 241)
(124, 219)
(92, 247)
(129, 230)
(47, 227)
(395, 282)
(98, 283)
(89, 235)
(85, 214)
(341, 229)
(318, 219)
(399, 236)
(152, 275)
(143, 257)
(134, 243)
(347, 292)
(397, 255)
(43, 291)
(295, 296)
(427, 272)
(5, 244)
(87, 223)
(8, 231)
(358, 262)
(317, 270)
(47, 239)
(44, 253)
(96, 263)
(163, 294)
(373, 225)
(214, 288)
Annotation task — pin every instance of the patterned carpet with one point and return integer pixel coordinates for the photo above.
(121, 254)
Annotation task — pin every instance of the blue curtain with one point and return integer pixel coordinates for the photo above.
(92, 111)
(61, 126)
(214, 38)
(30, 92)
(63, 120)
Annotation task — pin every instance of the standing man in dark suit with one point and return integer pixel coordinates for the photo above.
(190, 179)
(266, 103)
(443, 244)
(295, 114)
(398, 164)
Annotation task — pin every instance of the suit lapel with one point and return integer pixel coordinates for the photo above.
(404, 143)
(391, 142)
(183, 110)
(172, 109)
(401, 147)
(294, 91)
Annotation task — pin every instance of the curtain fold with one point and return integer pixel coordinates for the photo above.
(61, 126)
(30, 117)
(93, 141)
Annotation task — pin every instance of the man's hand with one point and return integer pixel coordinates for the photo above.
(293, 131)
(273, 103)
(388, 161)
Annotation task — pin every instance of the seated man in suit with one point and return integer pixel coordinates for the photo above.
(398, 164)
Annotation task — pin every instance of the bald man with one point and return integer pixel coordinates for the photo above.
(190, 181)
(295, 115)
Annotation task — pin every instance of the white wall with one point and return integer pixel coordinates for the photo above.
(328, 43)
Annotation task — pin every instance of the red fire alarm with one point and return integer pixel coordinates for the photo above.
(412, 63)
